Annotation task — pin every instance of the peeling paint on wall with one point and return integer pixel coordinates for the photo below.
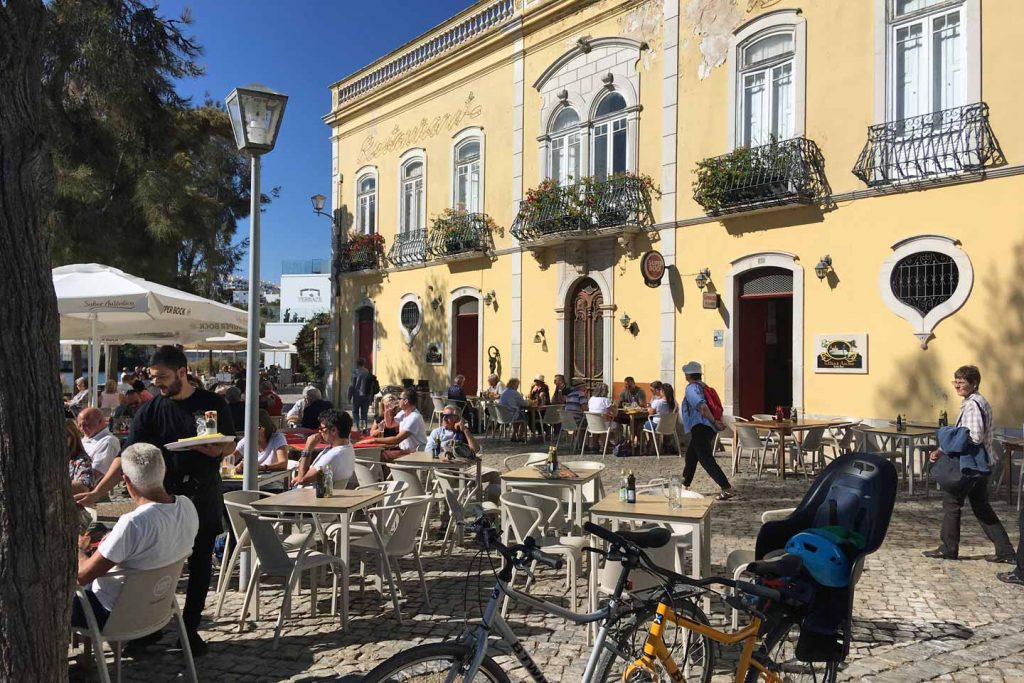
(645, 25)
(713, 22)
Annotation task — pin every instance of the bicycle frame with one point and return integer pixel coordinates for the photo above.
(654, 647)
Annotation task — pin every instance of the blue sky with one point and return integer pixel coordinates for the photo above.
(298, 47)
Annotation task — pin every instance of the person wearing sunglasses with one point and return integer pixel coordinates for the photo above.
(452, 427)
(335, 428)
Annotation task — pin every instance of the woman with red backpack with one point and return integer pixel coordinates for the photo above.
(702, 419)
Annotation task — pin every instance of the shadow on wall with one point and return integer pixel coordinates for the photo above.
(406, 362)
(923, 389)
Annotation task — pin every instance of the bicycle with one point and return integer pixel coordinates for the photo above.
(467, 658)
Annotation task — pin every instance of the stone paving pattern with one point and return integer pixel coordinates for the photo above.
(915, 619)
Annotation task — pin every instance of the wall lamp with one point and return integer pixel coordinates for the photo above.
(538, 338)
(490, 298)
(703, 278)
(823, 267)
(624, 321)
(436, 303)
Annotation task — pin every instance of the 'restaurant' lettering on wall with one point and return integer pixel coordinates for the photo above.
(399, 139)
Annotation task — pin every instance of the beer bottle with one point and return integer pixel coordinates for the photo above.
(319, 486)
(899, 422)
(552, 462)
(630, 488)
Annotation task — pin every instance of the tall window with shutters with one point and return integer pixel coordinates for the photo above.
(413, 216)
(766, 88)
(564, 154)
(366, 204)
(467, 176)
(927, 57)
(610, 140)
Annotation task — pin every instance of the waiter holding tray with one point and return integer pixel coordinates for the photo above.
(192, 471)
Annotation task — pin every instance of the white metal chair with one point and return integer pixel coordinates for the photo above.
(737, 560)
(506, 418)
(551, 418)
(811, 443)
(869, 443)
(597, 426)
(439, 403)
(571, 427)
(145, 605)
(530, 459)
(397, 540)
(665, 428)
(273, 559)
(367, 472)
(748, 440)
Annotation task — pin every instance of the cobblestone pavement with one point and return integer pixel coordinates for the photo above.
(915, 619)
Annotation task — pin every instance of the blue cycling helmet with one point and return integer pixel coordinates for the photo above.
(823, 559)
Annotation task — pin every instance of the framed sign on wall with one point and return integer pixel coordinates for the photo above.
(841, 353)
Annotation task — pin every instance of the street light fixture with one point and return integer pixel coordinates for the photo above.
(318, 204)
(256, 113)
(823, 266)
(703, 277)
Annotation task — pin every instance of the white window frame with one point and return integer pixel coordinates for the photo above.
(565, 137)
(363, 174)
(924, 19)
(407, 334)
(462, 137)
(768, 69)
(790, 20)
(885, 67)
(410, 157)
(611, 120)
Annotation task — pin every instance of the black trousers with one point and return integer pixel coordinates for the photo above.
(701, 449)
(976, 493)
(1020, 544)
(210, 506)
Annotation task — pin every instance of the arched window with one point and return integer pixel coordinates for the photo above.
(413, 196)
(609, 137)
(766, 91)
(366, 205)
(467, 176)
(564, 158)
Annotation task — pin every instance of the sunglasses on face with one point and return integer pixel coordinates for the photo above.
(449, 416)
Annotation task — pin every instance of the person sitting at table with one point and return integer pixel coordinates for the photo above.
(159, 531)
(311, 413)
(663, 403)
(125, 383)
(100, 445)
(144, 393)
(631, 394)
(494, 388)
(539, 392)
(272, 453)
(516, 404)
(575, 399)
(83, 479)
(335, 428)
(558, 395)
(600, 403)
(236, 406)
(110, 397)
(80, 399)
(129, 404)
(452, 427)
(309, 394)
(385, 424)
(412, 431)
(269, 400)
(457, 393)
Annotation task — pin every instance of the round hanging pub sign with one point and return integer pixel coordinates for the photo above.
(652, 267)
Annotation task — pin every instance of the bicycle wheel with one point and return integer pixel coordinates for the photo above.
(779, 650)
(433, 662)
(692, 652)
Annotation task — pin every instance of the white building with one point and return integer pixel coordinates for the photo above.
(305, 291)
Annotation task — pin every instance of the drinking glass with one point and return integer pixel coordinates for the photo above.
(674, 493)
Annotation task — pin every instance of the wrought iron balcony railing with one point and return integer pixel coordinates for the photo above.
(460, 234)
(941, 144)
(584, 209)
(363, 252)
(748, 178)
(409, 248)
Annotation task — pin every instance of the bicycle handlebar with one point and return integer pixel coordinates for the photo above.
(535, 554)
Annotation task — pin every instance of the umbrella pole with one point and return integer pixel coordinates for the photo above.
(94, 361)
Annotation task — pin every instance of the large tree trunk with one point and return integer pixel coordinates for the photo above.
(113, 351)
(37, 551)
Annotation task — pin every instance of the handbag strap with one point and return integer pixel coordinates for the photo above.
(984, 422)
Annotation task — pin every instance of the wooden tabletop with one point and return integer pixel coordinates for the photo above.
(420, 459)
(792, 425)
(305, 500)
(1012, 441)
(532, 474)
(890, 430)
(653, 508)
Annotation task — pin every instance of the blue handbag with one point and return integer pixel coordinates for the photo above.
(963, 460)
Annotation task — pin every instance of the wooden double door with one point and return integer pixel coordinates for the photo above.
(586, 333)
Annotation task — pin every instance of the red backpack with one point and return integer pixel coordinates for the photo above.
(713, 401)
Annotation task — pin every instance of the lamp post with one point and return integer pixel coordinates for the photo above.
(256, 113)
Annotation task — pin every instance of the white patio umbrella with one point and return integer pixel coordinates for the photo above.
(103, 304)
(232, 342)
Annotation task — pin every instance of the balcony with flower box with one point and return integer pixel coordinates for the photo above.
(588, 209)
(932, 147)
(409, 248)
(456, 235)
(361, 253)
(766, 177)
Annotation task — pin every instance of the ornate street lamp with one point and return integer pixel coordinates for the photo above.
(823, 266)
(703, 277)
(256, 113)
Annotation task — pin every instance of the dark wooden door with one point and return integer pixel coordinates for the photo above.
(467, 351)
(364, 335)
(586, 333)
(765, 354)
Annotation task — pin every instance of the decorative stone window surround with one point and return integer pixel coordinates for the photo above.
(410, 335)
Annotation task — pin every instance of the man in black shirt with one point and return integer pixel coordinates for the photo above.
(171, 416)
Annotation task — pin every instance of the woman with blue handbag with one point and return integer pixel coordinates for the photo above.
(962, 467)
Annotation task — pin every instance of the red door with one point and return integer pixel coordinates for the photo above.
(765, 341)
(467, 343)
(364, 335)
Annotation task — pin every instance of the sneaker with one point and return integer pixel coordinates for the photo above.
(195, 643)
(939, 554)
(1001, 559)
(1015, 577)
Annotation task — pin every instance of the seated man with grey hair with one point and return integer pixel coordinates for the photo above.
(309, 394)
(158, 532)
(233, 396)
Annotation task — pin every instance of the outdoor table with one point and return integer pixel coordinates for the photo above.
(234, 482)
(1010, 445)
(303, 501)
(635, 418)
(531, 477)
(694, 513)
(906, 439)
(427, 461)
(786, 428)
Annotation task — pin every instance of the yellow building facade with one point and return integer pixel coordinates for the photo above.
(834, 189)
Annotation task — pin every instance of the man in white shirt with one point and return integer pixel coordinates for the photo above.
(158, 532)
(412, 431)
(340, 457)
(125, 385)
(100, 444)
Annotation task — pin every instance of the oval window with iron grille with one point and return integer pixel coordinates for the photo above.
(410, 315)
(924, 280)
